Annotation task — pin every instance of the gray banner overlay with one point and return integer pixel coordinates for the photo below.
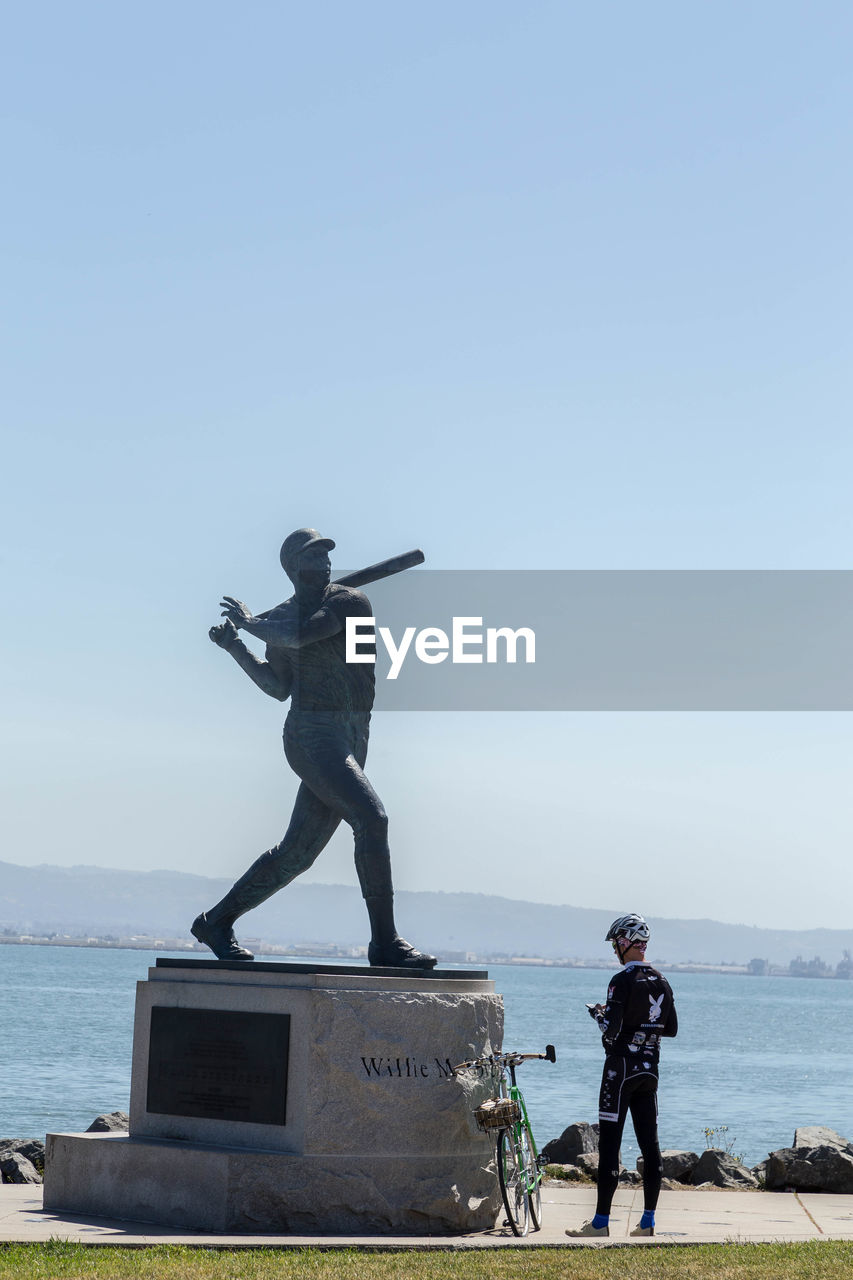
(620, 641)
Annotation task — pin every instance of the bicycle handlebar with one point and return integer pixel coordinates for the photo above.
(508, 1059)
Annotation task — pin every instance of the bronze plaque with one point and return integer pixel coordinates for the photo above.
(218, 1065)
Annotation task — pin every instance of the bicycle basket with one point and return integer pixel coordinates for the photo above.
(497, 1113)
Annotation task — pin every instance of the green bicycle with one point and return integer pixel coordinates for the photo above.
(505, 1117)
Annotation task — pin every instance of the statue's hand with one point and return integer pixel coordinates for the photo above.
(235, 611)
(224, 634)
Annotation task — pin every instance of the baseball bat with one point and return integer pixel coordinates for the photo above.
(384, 569)
(373, 573)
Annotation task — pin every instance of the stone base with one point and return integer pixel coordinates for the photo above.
(294, 1098)
(227, 1189)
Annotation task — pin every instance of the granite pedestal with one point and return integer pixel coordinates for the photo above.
(295, 1098)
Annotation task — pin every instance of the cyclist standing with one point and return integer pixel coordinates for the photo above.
(640, 1010)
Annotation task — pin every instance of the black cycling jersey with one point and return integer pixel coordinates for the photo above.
(640, 1010)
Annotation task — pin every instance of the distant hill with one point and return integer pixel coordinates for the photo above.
(98, 900)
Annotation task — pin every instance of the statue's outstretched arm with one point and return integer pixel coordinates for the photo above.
(277, 686)
(283, 632)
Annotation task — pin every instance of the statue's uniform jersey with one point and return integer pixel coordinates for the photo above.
(322, 682)
(640, 1010)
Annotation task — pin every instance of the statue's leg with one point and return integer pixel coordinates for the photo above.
(332, 765)
(311, 827)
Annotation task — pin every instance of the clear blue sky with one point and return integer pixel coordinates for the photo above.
(550, 285)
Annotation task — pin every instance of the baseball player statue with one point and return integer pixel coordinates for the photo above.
(325, 742)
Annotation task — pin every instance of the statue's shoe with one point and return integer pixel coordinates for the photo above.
(220, 938)
(399, 954)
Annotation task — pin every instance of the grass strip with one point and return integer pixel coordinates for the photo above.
(808, 1260)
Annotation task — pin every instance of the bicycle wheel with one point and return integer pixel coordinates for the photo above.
(513, 1183)
(532, 1176)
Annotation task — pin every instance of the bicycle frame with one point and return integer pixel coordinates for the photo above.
(516, 1095)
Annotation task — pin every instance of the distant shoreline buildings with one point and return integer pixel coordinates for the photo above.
(797, 968)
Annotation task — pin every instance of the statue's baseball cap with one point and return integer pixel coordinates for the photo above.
(297, 542)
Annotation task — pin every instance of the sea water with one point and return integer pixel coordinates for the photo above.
(758, 1055)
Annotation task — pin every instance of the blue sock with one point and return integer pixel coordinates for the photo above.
(601, 1220)
(648, 1219)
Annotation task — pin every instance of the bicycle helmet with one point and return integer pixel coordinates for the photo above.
(632, 928)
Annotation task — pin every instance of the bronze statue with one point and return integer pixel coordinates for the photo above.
(325, 742)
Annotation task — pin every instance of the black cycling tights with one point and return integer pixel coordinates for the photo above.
(639, 1096)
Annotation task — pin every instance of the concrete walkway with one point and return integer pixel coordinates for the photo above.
(684, 1217)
